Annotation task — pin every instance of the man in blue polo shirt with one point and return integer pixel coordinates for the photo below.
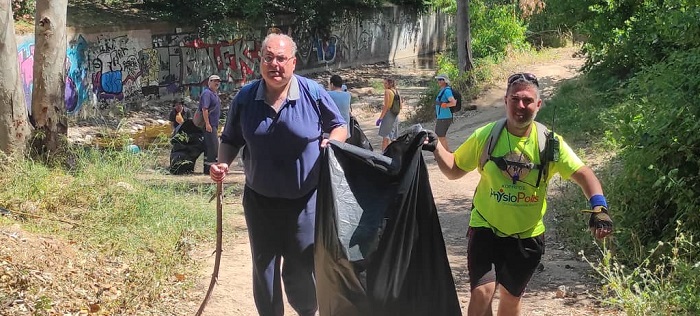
(210, 103)
(280, 127)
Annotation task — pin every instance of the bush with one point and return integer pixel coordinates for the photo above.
(626, 36)
(657, 125)
(495, 29)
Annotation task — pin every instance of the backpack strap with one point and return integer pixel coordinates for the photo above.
(443, 91)
(542, 136)
(491, 142)
(441, 94)
(543, 133)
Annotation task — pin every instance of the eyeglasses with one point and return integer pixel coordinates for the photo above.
(440, 79)
(523, 76)
(281, 60)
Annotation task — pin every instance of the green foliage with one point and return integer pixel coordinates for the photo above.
(221, 17)
(576, 111)
(665, 282)
(495, 29)
(559, 19)
(23, 9)
(377, 85)
(448, 6)
(625, 36)
(650, 124)
(657, 124)
(650, 128)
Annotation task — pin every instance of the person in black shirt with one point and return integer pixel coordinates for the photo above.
(179, 114)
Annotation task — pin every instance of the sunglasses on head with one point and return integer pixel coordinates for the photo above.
(523, 76)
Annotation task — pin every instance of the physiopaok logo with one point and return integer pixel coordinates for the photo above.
(502, 196)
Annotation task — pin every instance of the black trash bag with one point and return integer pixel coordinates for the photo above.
(379, 247)
(357, 136)
(188, 144)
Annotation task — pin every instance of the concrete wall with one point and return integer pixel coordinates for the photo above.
(142, 63)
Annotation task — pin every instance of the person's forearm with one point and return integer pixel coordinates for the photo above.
(205, 116)
(385, 109)
(449, 103)
(227, 153)
(446, 163)
(589, 183)
(339, 133)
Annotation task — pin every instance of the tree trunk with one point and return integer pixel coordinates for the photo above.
(48, 103)
(464, 37)
(14, 126)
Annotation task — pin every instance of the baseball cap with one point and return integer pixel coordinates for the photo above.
(443, 77)
(214, 77)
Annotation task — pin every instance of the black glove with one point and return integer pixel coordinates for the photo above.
(600, 219)
(431, 141)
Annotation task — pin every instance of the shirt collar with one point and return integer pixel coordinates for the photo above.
(292, 94)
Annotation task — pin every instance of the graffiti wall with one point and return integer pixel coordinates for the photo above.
(183, 60)
(143, 65)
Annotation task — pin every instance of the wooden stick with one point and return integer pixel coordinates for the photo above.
(219, 250)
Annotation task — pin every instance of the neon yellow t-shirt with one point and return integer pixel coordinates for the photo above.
(512, 209)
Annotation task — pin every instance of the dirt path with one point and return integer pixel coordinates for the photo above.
(562, 271)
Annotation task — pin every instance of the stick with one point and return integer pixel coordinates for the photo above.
(8, 212)
(218, 251)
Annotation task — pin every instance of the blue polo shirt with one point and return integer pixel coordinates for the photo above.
(281, 150)
(210, 100)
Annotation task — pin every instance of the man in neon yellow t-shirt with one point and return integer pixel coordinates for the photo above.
(506, 232)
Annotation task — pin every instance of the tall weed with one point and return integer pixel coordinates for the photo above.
(115, 214)
(666, 281)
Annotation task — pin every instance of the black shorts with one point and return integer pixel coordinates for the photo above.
(508, 261)
(441, 126)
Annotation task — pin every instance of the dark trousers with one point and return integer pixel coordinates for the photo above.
(211, 149)
(282, 228)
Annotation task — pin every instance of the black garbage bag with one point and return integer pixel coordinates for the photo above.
(379, 247)
(188, 144)
(357, 136)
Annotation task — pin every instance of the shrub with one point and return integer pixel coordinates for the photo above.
(626, 36)
(495, 29)
(657, 125)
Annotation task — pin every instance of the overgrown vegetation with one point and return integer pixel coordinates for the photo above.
(141, 230)
(664, 282)
(635, 103)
